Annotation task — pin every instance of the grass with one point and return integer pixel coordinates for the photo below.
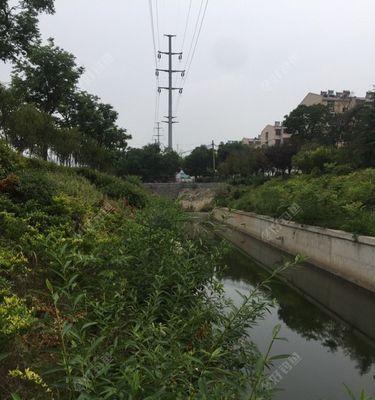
(345, 202)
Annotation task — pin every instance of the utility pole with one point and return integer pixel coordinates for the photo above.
(170, 87)
(158, 128)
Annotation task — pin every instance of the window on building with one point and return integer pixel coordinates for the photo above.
(278, 132)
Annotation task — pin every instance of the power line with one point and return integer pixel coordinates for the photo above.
(194, 47)
(153, 31)
(186, 25)
(195, 32)
(157, 22)
(157, 93)
(196, 43)
(209, 146)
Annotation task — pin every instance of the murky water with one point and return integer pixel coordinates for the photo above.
(331, 353)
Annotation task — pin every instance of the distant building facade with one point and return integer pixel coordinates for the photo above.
(273, 135)
(253, 142)
(337, 102)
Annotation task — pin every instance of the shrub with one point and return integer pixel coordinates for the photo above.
(9, 160)
(115, 187)
(314, 160)
(9, 184)
(70, 184)
(134, 179)
(35, 185)
(15, 317)
(12, 261)
(269, 199)
(344, 202)
(11, 227)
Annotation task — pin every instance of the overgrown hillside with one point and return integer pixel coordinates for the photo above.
(103, 295)
(344, 202)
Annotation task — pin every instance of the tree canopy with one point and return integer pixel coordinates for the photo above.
(311, 124)
(19, 26)
(199, 162)
(151, 163)
(48, 77)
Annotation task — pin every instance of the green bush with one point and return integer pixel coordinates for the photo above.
(99, 300)
(69, 183)
(35, 185)
(9, 160)
(314, 160)
(344, 202)
(269, 199)
(115, 187)
(11, 227)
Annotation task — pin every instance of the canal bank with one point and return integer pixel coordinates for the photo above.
(341, 253)
(338, 297)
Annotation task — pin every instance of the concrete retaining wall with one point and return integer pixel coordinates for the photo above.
(172, 190)
(334, 251)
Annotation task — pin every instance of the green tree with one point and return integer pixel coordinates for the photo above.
(240, 161)
(19, 26)
(309, 124)
(8, 103)
(199, 162)
(359, 137)
(171, 164)
(47, 78)
(280, 156)
(225, 149)
(315, 159)
(30, 129)
(151, 164)
(96, 120)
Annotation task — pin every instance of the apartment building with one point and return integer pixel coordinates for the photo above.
(337, 102)
(273, 135)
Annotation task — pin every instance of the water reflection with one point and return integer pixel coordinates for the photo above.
(301, 316)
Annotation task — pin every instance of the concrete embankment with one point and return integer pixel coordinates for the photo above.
(340, 253)
(173, 189)
(338, 276)
(194, 197)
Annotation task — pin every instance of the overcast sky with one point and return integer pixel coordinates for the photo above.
(254, 63)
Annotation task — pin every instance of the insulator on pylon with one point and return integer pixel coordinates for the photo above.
(183, 73)
(159, 56)
(180, 57)
(157, 73)
(180, 91)
(159, 90)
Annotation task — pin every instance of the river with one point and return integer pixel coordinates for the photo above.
(330, 352)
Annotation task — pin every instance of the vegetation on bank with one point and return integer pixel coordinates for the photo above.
(104, 294)
(345, 202)
(326, 168)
